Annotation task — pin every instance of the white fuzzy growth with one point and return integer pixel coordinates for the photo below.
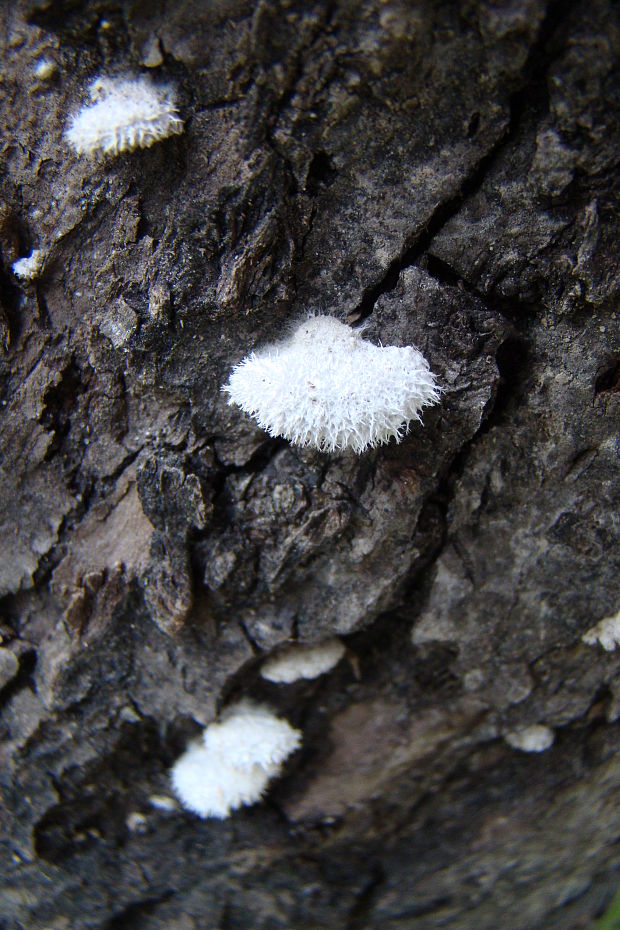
(303, 661)
(536, 738)
(234, 762)
(128, 113)
(28, 268)
(207, 786)
(328, 388)
(250, 734)
(606, 633)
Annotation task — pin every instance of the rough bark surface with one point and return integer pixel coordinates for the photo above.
(448, 173)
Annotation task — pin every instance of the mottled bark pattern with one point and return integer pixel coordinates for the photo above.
(448, 173)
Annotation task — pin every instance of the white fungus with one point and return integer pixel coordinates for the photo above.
(205, 785)
(303, 661)
(606, 633)
(250, 733)
(161, 802)
(136, 822)
(45, 69)
(535, 738)
(126, 113)
(234, 762)
(28, 268)
(327, 387)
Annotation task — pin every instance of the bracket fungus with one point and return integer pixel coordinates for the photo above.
(303, 661)
(326, 387)
(126, 113)
(234, 762)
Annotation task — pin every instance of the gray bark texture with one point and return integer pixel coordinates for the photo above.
(449, 174)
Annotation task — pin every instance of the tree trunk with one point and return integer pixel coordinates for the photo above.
(447, 174)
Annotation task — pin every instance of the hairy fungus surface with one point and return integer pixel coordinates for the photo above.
(234, 762)
(250, 733)
(303, 661)
(327, 387)
(126, 113)
(207, 786)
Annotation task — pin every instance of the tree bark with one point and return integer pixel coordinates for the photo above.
(447, 174)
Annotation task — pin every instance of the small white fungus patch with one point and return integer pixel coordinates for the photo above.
(126, 113)
(45, 69)
(234, 762)
(303, 661)
(28, 268)
(136, 822)
(327, 387)
(535, 738)
(161, 802)
(606, 633)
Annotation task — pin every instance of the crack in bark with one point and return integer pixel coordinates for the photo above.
(360, 912)
(442, 272)
(248, 637)
(297, 69)
(126, 919)
(534, 77)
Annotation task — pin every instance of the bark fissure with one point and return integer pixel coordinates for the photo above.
(520, 102)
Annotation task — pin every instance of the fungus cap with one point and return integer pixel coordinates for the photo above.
(207, 786)
(303, 661)
(234, 762)
(535, 738)
(250, 734)
(327, 387)
(126, 113)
